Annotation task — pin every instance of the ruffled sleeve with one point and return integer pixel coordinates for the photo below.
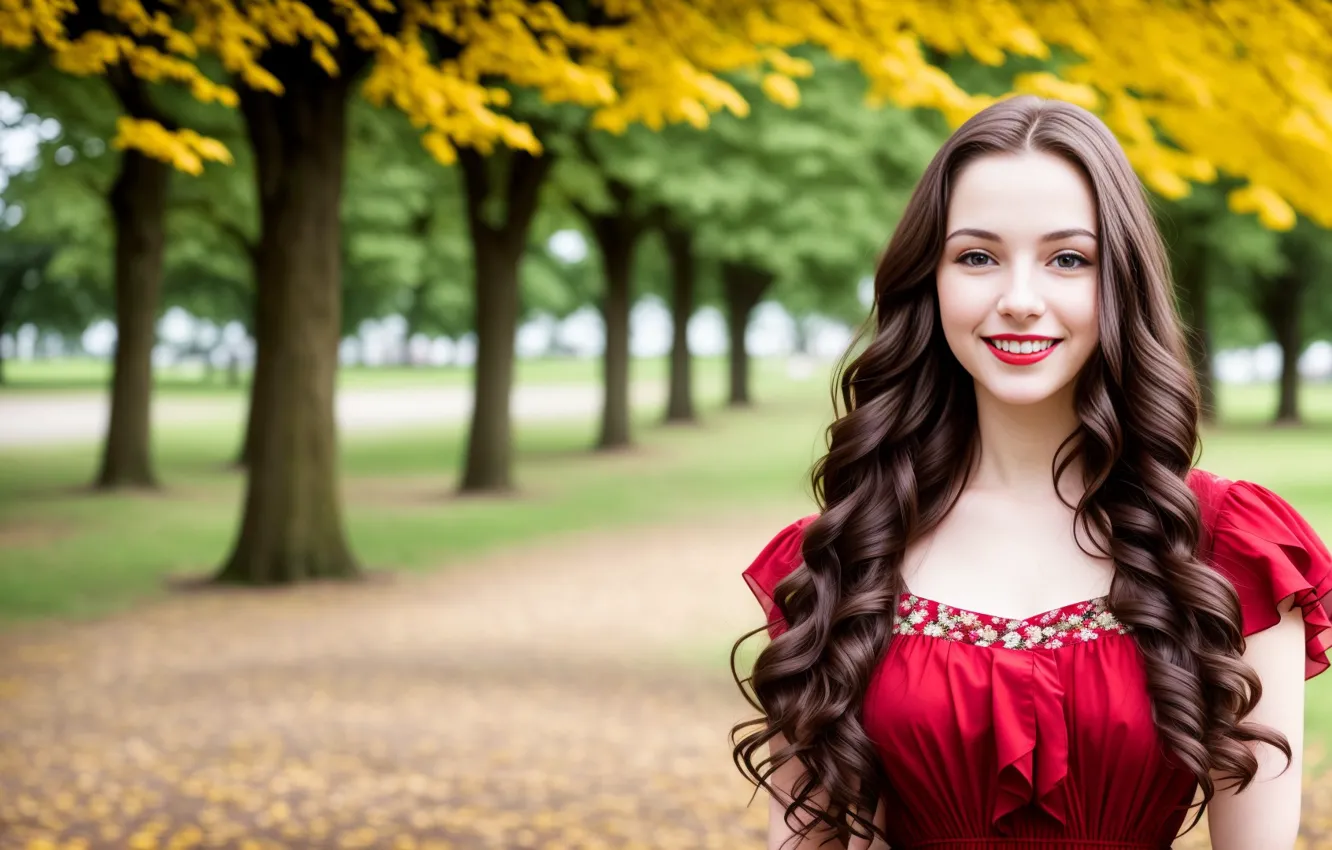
(777, 560)
(1270, 554)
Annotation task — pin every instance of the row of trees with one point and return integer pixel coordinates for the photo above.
(322, 210)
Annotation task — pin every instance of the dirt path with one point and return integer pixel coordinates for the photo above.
(553, 696)
(80, 417)
(568, 695)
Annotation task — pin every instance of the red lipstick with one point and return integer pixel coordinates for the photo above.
(1015, 358)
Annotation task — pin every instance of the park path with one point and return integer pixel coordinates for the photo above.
(567, 694)
(53, 418)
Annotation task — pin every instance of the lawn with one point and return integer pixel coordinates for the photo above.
(65, 553)
(189, 379)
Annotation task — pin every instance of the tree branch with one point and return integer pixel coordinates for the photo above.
(27, 64)
(526, 175)
(476, 182)
(208, 210)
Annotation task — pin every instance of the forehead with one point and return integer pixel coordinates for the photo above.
(1016, 195)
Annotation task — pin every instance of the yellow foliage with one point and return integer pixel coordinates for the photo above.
(186, 150)
(1235, 86)
(1271, 210)
(1045, 84)
(782, 90)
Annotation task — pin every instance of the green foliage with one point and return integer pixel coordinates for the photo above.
(405, 240)
(810, 194)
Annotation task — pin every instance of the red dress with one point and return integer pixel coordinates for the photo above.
(1037, 734)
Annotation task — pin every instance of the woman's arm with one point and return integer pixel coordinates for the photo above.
(781, 835)
(1266, 815)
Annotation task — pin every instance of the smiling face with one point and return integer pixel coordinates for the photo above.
(1017, 280)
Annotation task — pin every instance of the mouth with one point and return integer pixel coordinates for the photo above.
(1020, 349)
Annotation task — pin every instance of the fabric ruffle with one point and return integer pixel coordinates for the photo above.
(1271, 554)
(1030, 735)
(775, 562)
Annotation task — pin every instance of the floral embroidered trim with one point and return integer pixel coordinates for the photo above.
(1081, 622)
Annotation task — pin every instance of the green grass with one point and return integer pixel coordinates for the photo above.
(87, 374)
(67, 553)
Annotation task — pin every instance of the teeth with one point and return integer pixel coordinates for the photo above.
(1028, 347)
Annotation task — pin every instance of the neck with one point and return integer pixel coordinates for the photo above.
(1018, 444)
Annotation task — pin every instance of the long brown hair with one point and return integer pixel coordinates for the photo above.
(898, 458)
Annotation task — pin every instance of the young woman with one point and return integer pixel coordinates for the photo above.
(1021, 617)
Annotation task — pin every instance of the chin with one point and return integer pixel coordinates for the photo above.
(1024, 394)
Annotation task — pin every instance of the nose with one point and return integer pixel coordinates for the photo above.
(1019, 299)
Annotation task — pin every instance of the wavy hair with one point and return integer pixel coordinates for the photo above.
(899, 456)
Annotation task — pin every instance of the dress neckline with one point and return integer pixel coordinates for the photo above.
(1060, 610)
(1076, 622)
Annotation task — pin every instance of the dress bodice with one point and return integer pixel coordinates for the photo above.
(1038, 733)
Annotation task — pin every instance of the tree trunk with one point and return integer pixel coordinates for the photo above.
(138, 208)
(1281, 311)
(617, 236)
(680, 250)
(1191, 278)
(292, 528)
(615, 307)
(497, 250)
(414, 315)
(742, 288)
(10, 286)
(259, 390)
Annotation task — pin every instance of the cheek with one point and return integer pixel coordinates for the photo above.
(961, 308)
(1079, 313)
(1086, 312)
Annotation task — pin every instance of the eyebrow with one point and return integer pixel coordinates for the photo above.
(994, 237)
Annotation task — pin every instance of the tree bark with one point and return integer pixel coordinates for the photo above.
(292, 528)
(10, 287)
(680, 251)
(259, 390)
(233, 372)
(138, 208)
(497, 243)
(1281, 310)
(742, 288)
(618, 257)
(414, 315)
(617, 235)
(1191, 277)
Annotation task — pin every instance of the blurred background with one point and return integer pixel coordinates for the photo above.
(392, 393)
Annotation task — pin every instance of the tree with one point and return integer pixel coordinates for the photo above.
(651, 63)
(137, 200)
(798, 201)
(54, 231)
(295, 67)
(617, 232)
(618, 217)
(1191, 227)
(22, 269)
(679, 243)
(1281, 300)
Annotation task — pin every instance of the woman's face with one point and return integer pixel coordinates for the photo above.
(1018, 276)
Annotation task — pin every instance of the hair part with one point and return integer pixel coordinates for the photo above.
(900, 453)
